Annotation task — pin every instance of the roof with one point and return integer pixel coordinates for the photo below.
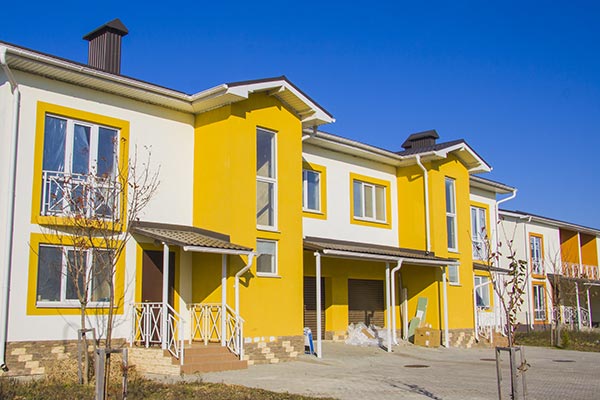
(552, 222)
(324, 244)
(488, 184)
(61, 69)
(180, 235)
(114, 26)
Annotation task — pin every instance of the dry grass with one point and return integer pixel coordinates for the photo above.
(572, 340)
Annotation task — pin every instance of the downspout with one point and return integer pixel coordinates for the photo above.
(388, 300)
(497, 210)
(237, 281)
(426, 189)
(396, 269)
(445, 295)
(10, 209)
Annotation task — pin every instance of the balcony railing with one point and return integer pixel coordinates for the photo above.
(86, 195)
(583, 271)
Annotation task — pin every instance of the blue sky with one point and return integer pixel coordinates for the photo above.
(519, 81)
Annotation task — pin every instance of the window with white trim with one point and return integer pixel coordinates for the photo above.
(453, 274)
(266, 263)
(79, 167)
(311, 190)
(479, 233)
(66, 275)
(482, 291)
(369, 201)
(539, 303)
(266, 179)
(451, 214)
(535, 251)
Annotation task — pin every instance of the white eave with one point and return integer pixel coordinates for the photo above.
(51, 67)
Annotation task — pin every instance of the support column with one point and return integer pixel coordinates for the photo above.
(165, 296)
(445, 294)
(578, 305)
(393, 290)
(223, 299)
(388, 300)
(589, 306)
(318, 284)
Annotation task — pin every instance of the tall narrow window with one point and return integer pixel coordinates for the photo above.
(266, 179)
(479, 233)
(451, 214)
(369, 201)
(539, 303)
(482, 291)
(535, 248)
(311, 190)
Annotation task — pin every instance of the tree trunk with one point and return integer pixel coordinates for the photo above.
(84, 348)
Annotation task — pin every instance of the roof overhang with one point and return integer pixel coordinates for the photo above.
(520, 215)
(489, 185)
(472, 161)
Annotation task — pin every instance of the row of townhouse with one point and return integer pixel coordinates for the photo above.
(266, 223)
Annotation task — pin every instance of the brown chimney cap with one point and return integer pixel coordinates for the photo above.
(430, 134)
(115, 26)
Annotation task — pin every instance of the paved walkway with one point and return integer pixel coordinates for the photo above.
(349, 372)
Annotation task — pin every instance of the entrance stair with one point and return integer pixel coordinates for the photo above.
(211, 358)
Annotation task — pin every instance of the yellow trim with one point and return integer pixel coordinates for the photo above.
(322, 214)
(543, 284)
(388, 203)
(541, 237)
(32, 309)
(47, 108)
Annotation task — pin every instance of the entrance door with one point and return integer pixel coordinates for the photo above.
(310, 305)
(365, 302)
(152, 276)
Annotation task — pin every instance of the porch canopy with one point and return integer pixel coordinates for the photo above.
(333, 248)
(194, 239)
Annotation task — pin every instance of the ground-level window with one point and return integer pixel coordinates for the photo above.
(453, 275)
(69, 275)
(539, 303)
(482, 291)
(266, 263)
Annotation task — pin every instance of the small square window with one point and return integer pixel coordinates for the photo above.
(266, 263)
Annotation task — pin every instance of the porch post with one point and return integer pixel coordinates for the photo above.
(318, 284)
(589, 305)
(388, 301)
(445, 294)
(393, 290)
(578, 306)
(165, 295)
(223, 299)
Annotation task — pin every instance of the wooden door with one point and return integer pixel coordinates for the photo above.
(310, 305)
(365, 302)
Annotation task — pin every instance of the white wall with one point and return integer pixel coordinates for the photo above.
(337, 225)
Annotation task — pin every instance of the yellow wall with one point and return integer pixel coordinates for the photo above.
(589, 250)
(569, 246)
(411, 208)
(225, 201)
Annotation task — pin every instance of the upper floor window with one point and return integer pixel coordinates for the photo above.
(536, 254)
(369, 201)
(482, 291)
(79, 168)
(479, 233)
(311, 190)
(68, 275)
(266, 179)
(451, 214)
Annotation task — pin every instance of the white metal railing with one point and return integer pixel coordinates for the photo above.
(576, 270)
(486, 323)
(585, 317)
(208, 320)
(79, 194)
(148, 327)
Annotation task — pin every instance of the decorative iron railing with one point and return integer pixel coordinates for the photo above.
(87, 195)
(576, 270)
(209, 320)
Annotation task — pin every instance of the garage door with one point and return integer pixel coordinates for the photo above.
(310, 305)
(365, 302)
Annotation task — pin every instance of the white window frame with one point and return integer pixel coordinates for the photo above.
(482, 291)
(539, 302)
(454, 268)
(63, 301)
(451, 214)
(536, 254)
(479, 233)
(270, 180)
(305, 193)
(363, 217)
(275, 270)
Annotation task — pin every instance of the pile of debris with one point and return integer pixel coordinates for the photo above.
(362, 335)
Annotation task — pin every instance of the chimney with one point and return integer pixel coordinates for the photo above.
(104, 51)
(421, 139)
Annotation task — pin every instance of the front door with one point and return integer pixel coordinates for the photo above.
(152, 276)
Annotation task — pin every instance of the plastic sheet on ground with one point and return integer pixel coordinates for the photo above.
(362, 335)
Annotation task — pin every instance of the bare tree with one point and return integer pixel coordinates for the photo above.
(91, 215)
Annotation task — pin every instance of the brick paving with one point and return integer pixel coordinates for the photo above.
(348, 372)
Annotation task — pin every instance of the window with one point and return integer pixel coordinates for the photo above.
(451, 214)
(64, 273)
(482, 291)
(266, 263)
(79, 168)
(535, 251)
(266, 179)
(311, 190)
(539, 303)
(453, 274)
(479, 233)
(369, 201)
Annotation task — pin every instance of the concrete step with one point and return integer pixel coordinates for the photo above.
(213, 366)
(211, 358)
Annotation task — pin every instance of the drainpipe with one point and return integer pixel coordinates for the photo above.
(396, 269)
(445, 295)
(10, 209)
(388, 300)
(426, 188)
(497, 210)
(165, 296)
(237, 282)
